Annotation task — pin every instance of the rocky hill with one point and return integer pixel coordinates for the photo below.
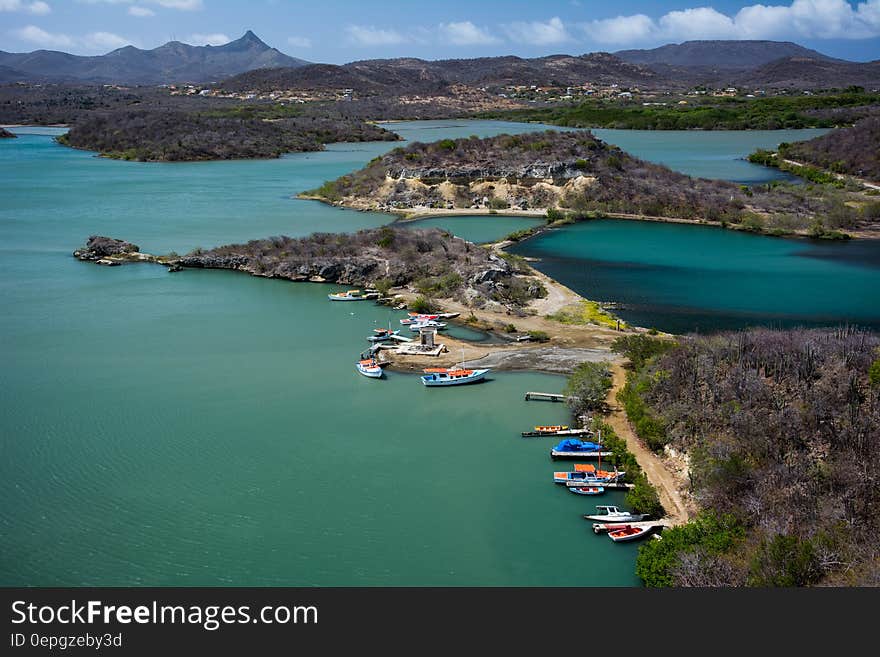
(431, 260)
(168, 136)
(171, 62)
(854, 150)
(574, 173)
(720, 54)
(812, 73)
(410, 75)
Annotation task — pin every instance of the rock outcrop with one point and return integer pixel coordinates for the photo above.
(99, 247)
(5, 134)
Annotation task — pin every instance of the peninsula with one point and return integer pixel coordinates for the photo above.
(573, 175)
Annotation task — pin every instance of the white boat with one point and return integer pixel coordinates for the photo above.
(428, 324)
(453, 377)
(369, 368)
(613, 514)
(382, 335)
(352, 295)
(587, 490)
(621, 533)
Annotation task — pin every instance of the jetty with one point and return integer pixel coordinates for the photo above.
(546, 396)
(599, 527)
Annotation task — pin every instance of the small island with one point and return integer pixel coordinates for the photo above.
(173, 136)
(573, 175)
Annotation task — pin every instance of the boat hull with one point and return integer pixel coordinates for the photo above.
(587, 490)
(370, 372)
(630, 517)
(438, 381)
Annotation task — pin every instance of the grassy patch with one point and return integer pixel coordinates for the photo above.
(587, 312)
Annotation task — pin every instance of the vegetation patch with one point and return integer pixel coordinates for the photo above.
(587, 312)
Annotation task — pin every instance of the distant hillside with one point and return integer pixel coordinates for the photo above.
(855, 150)
(720, 54)
(811, 73)
(172, 62)
(408, 75)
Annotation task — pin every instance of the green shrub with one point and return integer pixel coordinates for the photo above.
(538, 336)
(422, 304)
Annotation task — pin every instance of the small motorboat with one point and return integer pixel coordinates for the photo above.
(352, 295)
(621, 533)
(416, 318)
(415, 326)
(453, 377)
(552, 428)
(543, 431)
(573, 448)
(587, 490)
(588, 474)
(448, 315)
(369, 368)
(381, 335)
(613, 514)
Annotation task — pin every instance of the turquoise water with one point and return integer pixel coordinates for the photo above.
(683, 278)
(708, 154)
(209, 427)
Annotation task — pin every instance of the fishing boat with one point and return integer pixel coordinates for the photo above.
(587, 490)
(541, 432)
(369, 368)
(416, 318)
(352, 295)
(588, 475)
(382, 335)
(621, 533)
(613, 514)
(453, 377)
(427, 324)
(573, 448)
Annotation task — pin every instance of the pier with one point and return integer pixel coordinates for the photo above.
(546, 396)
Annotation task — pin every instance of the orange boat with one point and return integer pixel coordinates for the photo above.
(627, 533)
(552, 428)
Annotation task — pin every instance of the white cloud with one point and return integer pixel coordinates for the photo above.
(183, 5)
(802, 19)
(104, 41)
(622, 29)
(94, 42)
(364, 35)
(299, 42)
(37, 8)
(537, 33)
(465, 34)
(217, 39)
(42, 38)
(140, 12)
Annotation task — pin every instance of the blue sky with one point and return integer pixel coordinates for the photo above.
(338, 31)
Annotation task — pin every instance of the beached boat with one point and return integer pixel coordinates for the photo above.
(448, 315)
(613, 514)
(416, 318)
(352, 295)
(622, 533)
(588, 475)
(369, 368)
(573, 448)
(587, 490)
(381, 335)
(453, 377)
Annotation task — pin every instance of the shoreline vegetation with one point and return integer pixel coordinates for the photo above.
(573, 176)
(181, 136)
(706, 113)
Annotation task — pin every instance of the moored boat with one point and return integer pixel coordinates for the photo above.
(613, 514)
(352, 295)
(381, 335)
(415, 326)
(588, 475)
(559, 433)
(622, 533)
(587, 490)
(453, 377)
(369, 368)
(572, 448)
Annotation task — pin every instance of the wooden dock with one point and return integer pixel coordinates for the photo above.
(546, 396)
(599, 527)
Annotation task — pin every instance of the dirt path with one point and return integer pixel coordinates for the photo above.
(678, 511)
